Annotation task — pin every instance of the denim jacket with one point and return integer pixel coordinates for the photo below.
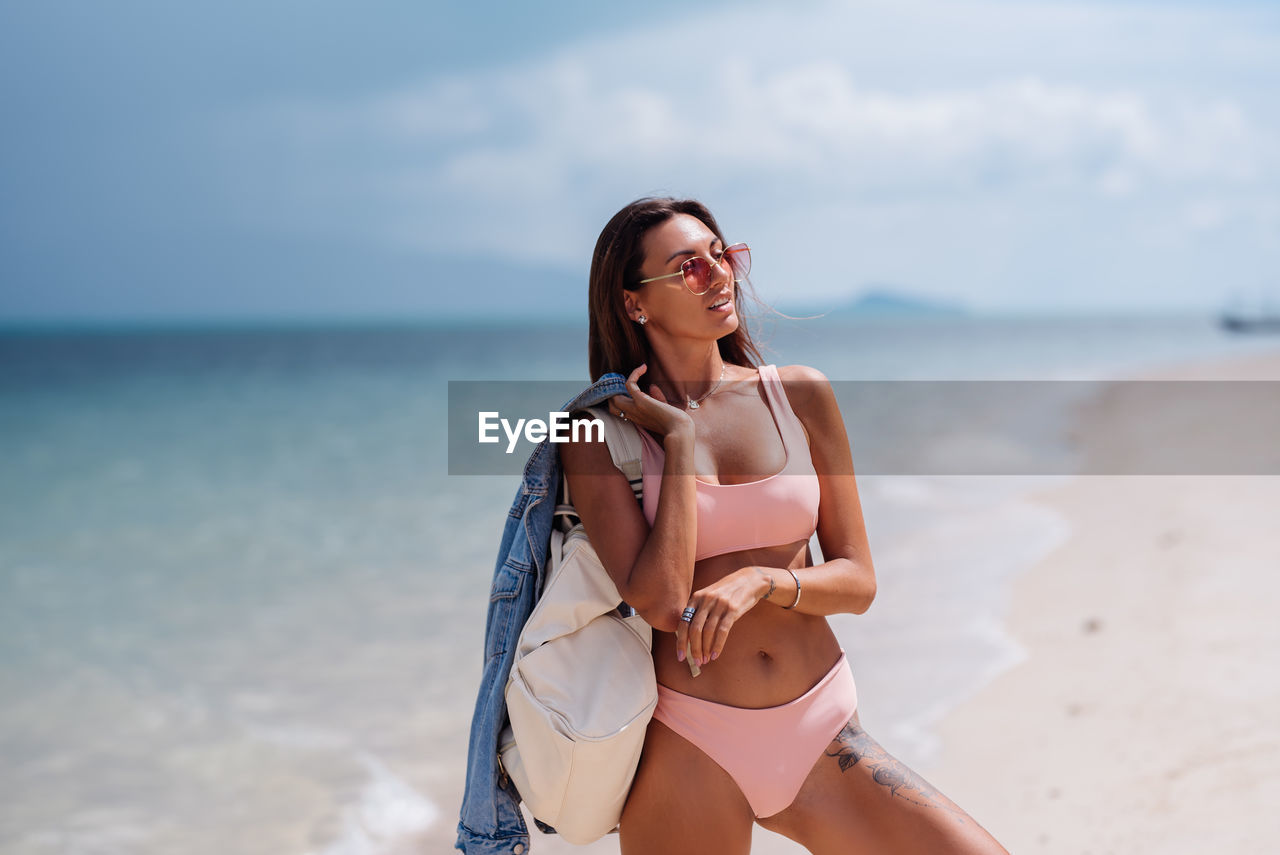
(490, 821)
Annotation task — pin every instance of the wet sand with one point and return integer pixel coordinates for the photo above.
(1146, 717)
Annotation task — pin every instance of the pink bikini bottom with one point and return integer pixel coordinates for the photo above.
(768, 752)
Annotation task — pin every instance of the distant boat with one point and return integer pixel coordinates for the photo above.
(1250, 323)
(1260, 314)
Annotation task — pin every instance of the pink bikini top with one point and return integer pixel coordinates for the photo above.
(782, 508)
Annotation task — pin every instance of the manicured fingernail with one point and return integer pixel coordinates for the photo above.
(679, 655)
(714, 655)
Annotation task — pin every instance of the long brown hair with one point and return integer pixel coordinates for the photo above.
(614, 342)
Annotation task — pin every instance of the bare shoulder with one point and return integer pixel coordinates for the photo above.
(801, 374)
(814, 403)
(808, 389)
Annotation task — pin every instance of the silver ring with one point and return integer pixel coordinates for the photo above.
(687, 614)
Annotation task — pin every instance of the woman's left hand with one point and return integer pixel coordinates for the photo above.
(716, 608)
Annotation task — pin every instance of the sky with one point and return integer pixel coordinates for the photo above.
(310, 160)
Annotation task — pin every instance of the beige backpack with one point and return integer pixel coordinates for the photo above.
(582, 686)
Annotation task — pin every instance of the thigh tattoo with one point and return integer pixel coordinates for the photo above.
(856, 746)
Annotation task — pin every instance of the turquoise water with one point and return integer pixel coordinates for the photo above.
(241, 601)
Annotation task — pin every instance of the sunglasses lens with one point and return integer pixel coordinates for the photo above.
(739, 258)
(697, 270)
(697, 274)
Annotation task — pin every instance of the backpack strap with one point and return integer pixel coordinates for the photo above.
(623, 439)
(625, 449)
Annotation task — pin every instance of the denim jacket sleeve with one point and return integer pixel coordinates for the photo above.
(490, 821)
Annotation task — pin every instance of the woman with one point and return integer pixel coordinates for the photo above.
(757, 712)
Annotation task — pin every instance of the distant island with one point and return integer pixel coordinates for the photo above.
(881, 302)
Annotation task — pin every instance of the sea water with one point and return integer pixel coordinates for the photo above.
(242, 601)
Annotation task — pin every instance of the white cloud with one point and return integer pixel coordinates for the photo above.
(527, 161)
(1205, 214)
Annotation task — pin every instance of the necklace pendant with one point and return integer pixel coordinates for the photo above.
(693, 405)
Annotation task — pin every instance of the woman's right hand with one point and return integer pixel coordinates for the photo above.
(649, 410)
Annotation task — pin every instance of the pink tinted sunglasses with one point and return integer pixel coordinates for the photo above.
(696, 271)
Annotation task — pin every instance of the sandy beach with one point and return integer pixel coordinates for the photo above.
(1146, 717)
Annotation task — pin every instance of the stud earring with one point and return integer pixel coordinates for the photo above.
(642, 320)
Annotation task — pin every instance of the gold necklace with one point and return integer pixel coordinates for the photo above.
(693, 405)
